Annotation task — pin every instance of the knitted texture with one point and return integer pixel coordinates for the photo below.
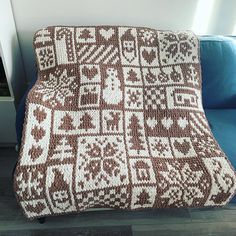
(115, 120)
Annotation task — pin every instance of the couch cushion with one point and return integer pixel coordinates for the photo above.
(218, 63)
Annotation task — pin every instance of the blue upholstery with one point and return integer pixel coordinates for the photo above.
(20, 113)
(218, 64)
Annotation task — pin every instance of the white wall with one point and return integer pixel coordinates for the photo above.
(31, 15)
(10, 52)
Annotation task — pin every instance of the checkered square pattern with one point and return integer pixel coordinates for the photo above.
(154, 98)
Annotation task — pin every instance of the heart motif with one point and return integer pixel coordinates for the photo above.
(35, 208)
(107, 33)
(182, 122)
(35, 152)
(149, 56)
(183, 146)
(151, 122)
(167, 122)
(90, 73)
(37, 133)
(39, 114)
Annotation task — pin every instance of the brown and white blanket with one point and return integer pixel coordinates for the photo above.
(115, 120)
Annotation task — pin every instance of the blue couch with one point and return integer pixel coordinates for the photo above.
(218, 64)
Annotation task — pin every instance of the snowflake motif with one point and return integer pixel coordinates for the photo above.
(148, 36)
(184, 184)
(134, 98)
(177, 46)
(102, 161)
(46, 57)
(55, 90)
(29, 186)
(160, 147)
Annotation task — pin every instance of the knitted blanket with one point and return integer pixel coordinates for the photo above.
(115, 120)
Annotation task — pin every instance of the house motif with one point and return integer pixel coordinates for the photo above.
(142, 170)
(186, 98)
(89, 96)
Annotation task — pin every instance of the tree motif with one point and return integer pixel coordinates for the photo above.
(136, 135)
(85, 34)
(143, 198)
(67, 123)
(132, 76)
(86, 122)
(63, 150)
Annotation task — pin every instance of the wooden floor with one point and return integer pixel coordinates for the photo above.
(220, 221)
